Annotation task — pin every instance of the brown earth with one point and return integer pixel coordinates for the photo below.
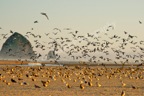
(66, 81)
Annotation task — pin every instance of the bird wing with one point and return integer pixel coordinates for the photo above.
(45, 15)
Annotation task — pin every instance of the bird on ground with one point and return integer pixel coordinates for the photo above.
(123, 93)
(45, 83)
(69, 86)
(123, 84)
(36, 86)
(14, 81)
(4, 81)
(82, 86)
(134, 87)
(98, 85)
(90, 84)
(33, 79)
(139, 65)
(45, 15)
(8, 83)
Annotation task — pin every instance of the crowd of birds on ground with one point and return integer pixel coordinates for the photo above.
(95, 47)
(72, 77)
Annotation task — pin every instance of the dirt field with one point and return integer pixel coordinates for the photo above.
(70, 81)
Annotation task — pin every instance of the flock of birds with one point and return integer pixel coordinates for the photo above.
(72, 77)
(96, 47)
(78, 46)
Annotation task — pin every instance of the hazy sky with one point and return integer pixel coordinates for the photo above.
(83, 15)
(88, 15)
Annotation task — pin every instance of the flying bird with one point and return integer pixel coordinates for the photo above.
(11, 31)
(140, 22)
(111, 26)
(46, 34)
(125, 32)
(35, 21)
(44, 15)
(57, 29)
(67, 29)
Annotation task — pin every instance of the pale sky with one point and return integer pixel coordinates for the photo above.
(85, 16)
